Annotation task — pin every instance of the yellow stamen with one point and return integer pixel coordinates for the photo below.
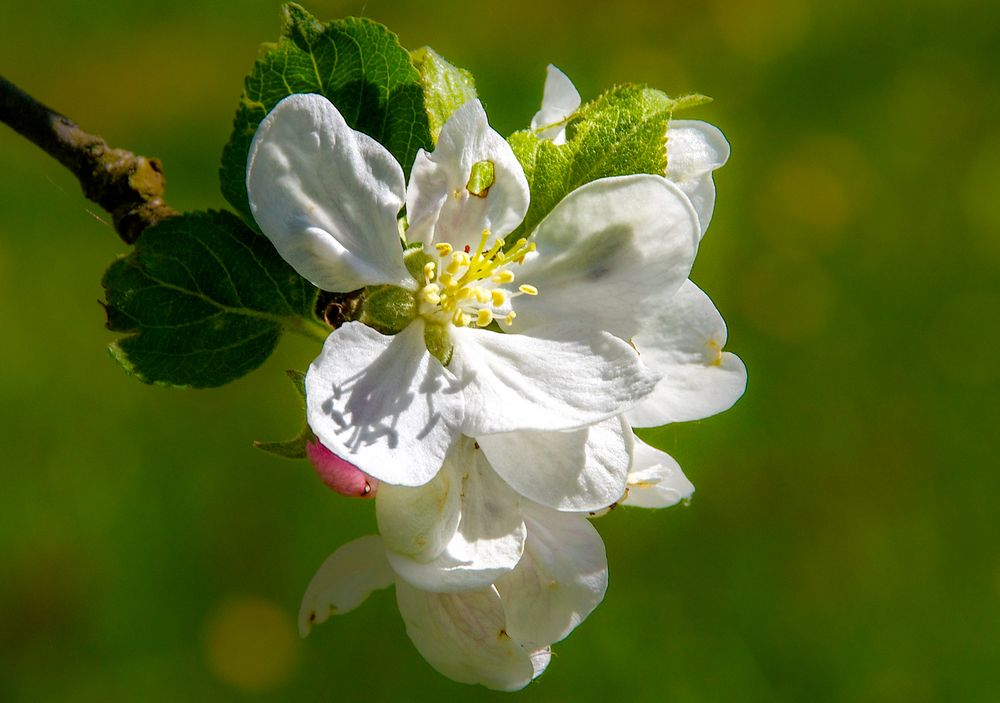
(498, 297)
(443, 248)
(527, 289)
(509, 320)
(484, 317)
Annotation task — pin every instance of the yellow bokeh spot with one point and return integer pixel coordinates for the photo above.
(251, 644)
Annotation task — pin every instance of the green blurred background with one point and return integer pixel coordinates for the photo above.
(843, 543)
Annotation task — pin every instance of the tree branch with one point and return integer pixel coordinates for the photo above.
(128, 187)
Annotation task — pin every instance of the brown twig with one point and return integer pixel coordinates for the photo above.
(128, 187)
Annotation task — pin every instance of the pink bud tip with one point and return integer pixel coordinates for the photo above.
(340, 475)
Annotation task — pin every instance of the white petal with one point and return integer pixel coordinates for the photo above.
(684, 342)
(383, 403)
(464, 636)
(560, 99)
(656, 479)
(568, 380)
(419, 521)
(327, 196)
(694, 150)
(577, 470)
(439, 206)
(605, 251)
(490, 536)
(561, 578)
(344, 581)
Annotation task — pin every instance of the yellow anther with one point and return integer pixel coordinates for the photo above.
(482, 295)
(498, 297)
(454, 265)
(509, 320)
(484, 317)
(445, 279)
(429, 271)
(443, 248)
(527, 289)
(505, 276)
(461, 319)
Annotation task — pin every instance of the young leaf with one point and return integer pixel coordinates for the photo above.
(446, 87)
(203, 300)
(623, 131)
(356, 63)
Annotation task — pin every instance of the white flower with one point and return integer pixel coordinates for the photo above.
(498, 635)
(694, 148)
(328, 197)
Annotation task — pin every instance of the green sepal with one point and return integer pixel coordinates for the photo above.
(624, 131)
(357, 64)
(388, 309)
(203, 300)
(438, 342)
(415, 258)
(294, 448)
(446, 87)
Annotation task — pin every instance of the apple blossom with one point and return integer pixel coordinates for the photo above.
(394, 396)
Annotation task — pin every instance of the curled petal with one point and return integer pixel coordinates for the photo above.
(605, 251)
(560, 99)
(561, 578)
(327, 196)
(344, 581)
(383, 403)
(694, 150)
(486, 543)
(567, 380)
(578, 470)
(439, 204)
(464, 636)
(420, 521)
(656, 479)
(683, 341)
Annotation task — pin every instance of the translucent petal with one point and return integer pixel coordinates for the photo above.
(344, 581)
(694, 150)
(683, 341)
(384, 403)
(569, 379)
(464, 636)
(605, 251)
(577, 470)
(439, 206)
(656, 479)
(561, 578)
(489, 538)
(326, 196)
(560, 99)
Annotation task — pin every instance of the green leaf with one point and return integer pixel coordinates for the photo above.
(446, 87)
(294, 448)
(356, 63)
(203, 300)
(624, 131)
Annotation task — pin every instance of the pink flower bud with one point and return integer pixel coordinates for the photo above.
(340, 475)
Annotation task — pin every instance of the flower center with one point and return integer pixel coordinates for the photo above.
(473, 289)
